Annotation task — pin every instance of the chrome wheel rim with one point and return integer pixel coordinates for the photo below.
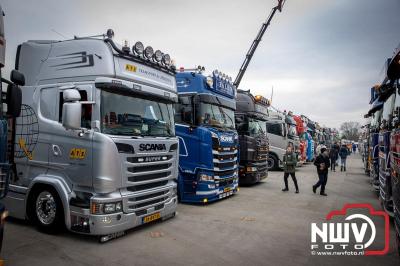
(46, 208)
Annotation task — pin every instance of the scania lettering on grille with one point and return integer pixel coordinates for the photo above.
(226, 138)
(152, 147)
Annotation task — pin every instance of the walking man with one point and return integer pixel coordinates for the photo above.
(289, 168)
(333, 154)
(322, 163)
(343, 153)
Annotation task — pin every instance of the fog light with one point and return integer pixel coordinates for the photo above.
(205, 200)
(106, 219)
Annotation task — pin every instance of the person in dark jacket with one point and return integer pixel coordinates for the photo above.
(333, 155)
(289, 168)
(343, 153)
(322, 163)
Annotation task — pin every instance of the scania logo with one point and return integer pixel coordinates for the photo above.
(152, 147)
(225, 138)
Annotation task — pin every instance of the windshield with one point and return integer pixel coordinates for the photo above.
(388, 107)
(257, 127)
(216, 116)
(292, 131)
(131, 116)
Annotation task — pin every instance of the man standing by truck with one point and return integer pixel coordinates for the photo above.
(322, 163)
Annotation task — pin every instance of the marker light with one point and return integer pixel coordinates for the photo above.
(210, 81)
(158, 55)
(148, 52)
(166, 59)
(138, 48)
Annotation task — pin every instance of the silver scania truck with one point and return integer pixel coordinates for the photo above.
(94, 148)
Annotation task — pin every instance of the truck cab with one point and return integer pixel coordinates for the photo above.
(292, 135)
(376, 113)
(303, 142)
(387, 95)
(250, 116)
(278, 136)
(94, 147)
(208, 141)
(393, 75)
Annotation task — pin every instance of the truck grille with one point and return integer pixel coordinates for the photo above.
(148, 183)
(147, 186)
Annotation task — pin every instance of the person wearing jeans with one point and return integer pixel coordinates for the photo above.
(322, 163)
(343, 153)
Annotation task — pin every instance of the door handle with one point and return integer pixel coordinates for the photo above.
(56, 150)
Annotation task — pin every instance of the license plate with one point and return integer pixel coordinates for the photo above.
(227, 189)
(152, 217)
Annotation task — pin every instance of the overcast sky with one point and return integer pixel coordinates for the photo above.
(321, 56)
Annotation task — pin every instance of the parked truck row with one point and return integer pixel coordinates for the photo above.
(380, 140)
(99, 137)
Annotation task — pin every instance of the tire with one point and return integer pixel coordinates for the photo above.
(273, 162)
(46, 210)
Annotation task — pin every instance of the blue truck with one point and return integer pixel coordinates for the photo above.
(208, 141)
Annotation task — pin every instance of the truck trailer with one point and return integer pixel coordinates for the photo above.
(208, 141)
(94, 148)
(250, 116)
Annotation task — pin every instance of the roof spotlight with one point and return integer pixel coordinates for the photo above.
(158, 55)
(166, 59)
(148, 52)
(138, 48)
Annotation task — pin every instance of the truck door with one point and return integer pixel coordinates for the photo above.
(70, 154)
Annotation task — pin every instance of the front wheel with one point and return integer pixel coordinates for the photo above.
(47, 210)
(273, 162)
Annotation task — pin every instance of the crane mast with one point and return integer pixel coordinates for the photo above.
(255, 43)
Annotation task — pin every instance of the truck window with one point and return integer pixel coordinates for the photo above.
(48, 104)
(184, 111)
(275, 129)
(86, 117)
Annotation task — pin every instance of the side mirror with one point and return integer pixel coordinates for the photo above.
(14, 100)
(72, 109)
(71, 115)
(17, 78)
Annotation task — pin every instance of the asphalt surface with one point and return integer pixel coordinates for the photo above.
(261, 225)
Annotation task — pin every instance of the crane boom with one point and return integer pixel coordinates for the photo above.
(255, 43)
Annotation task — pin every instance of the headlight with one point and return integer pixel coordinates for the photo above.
(210, 81)
(109, 207)
(138, 48)
(166, 59)
(148, 52)
(205, 177)
(157, 56)
(105, 208)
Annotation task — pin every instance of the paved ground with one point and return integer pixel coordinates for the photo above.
(259, 226)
